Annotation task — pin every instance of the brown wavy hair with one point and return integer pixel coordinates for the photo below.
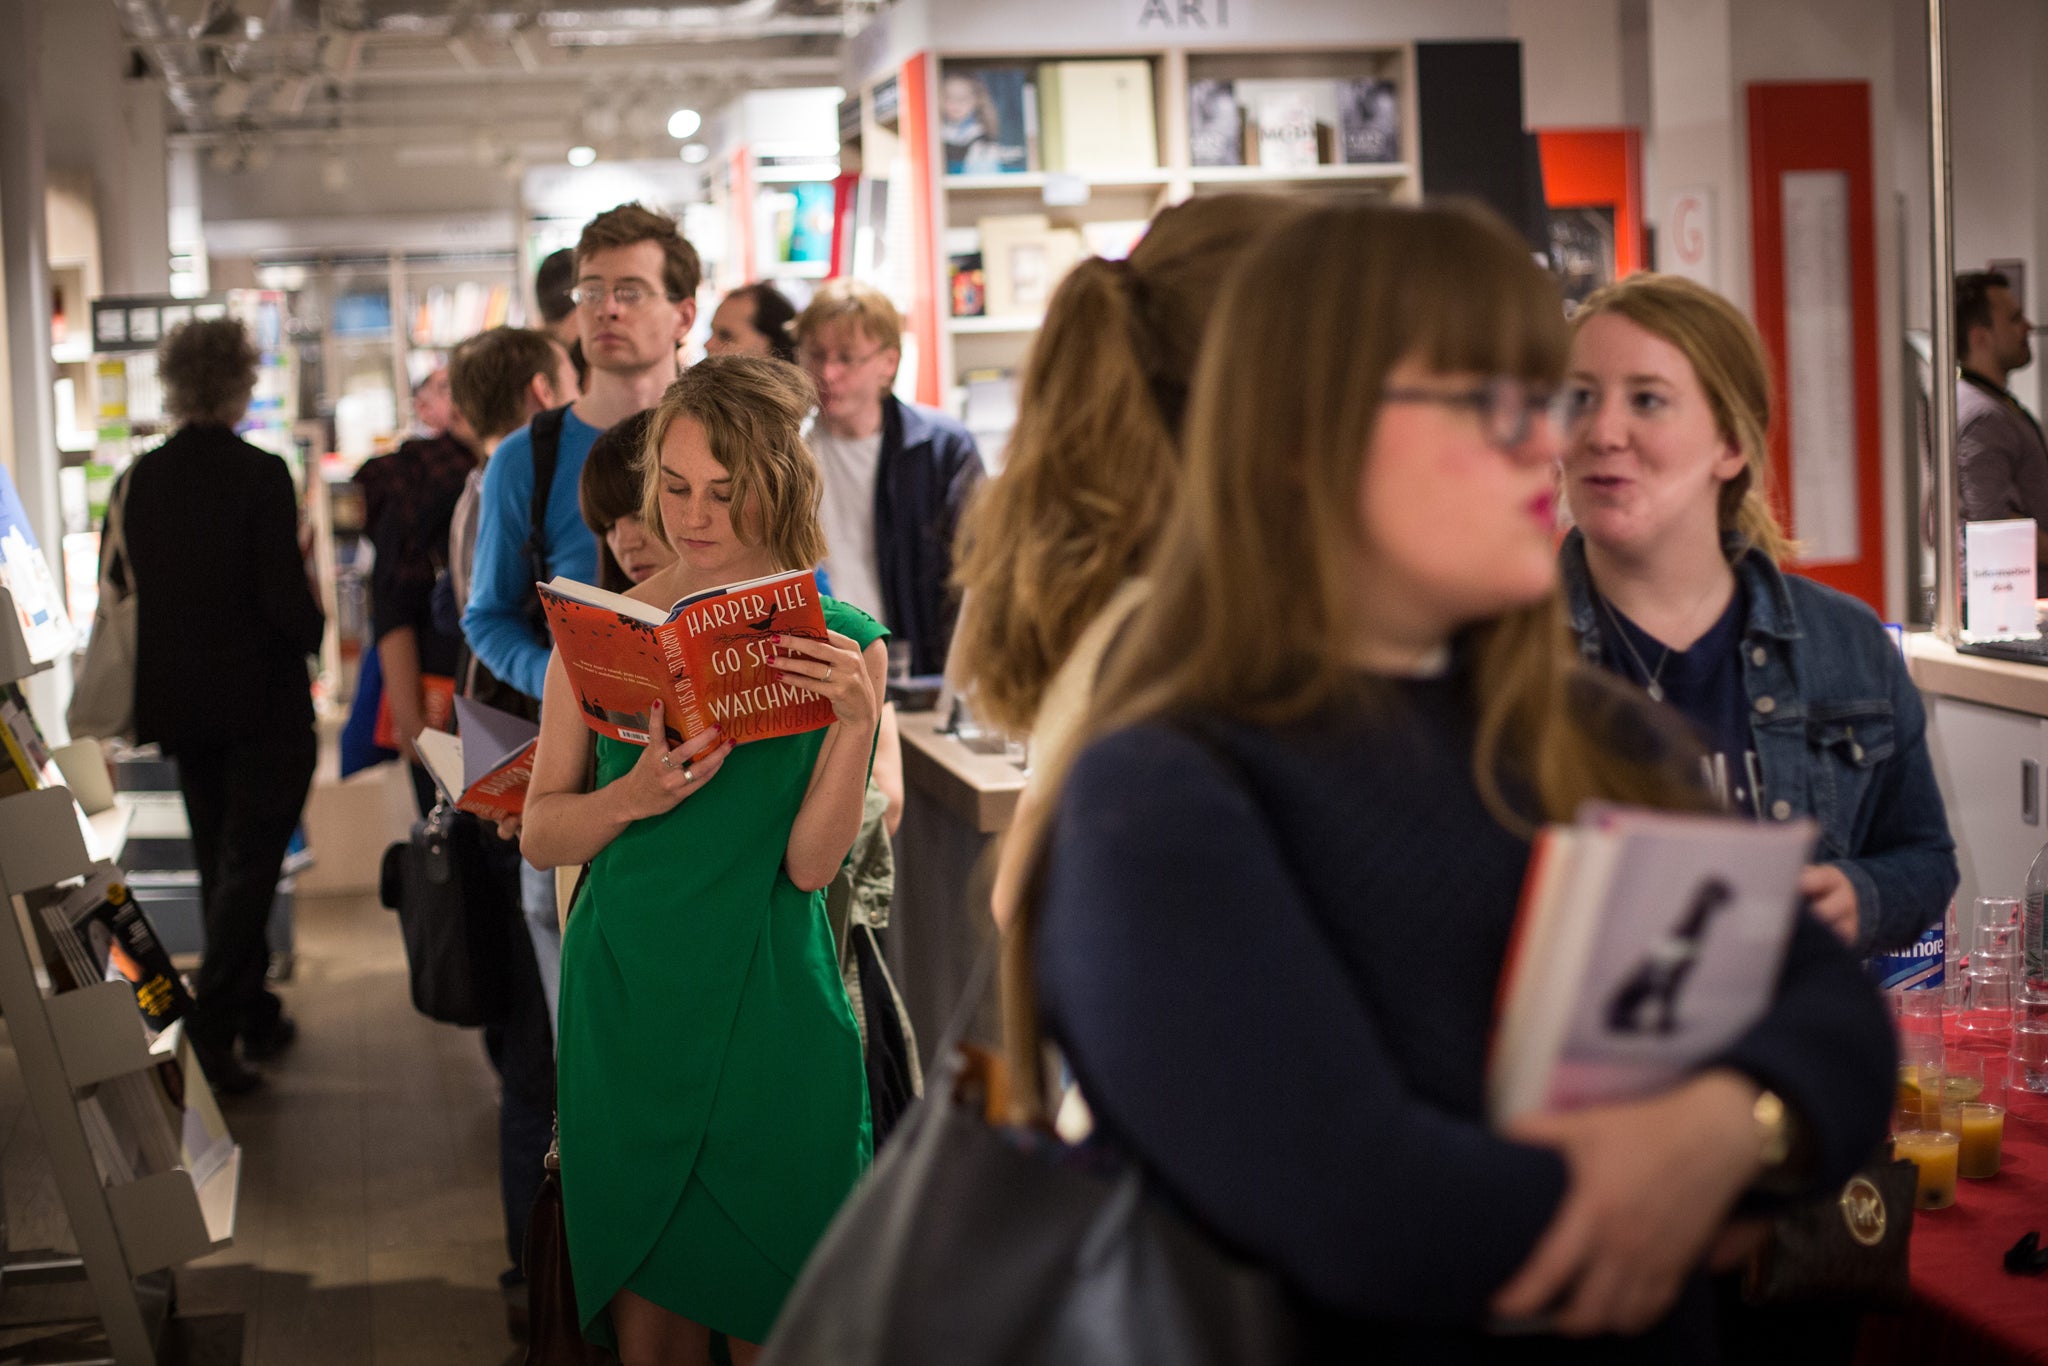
(1734, 372)
(1093, 461)
(752, 410)
(1253, 576)
(208, 370)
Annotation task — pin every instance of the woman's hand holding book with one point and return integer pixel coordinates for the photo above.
(834, 669)
(665, 775)
(1652, 1185)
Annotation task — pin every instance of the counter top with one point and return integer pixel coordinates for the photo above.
(980, 789)
(1937, 668)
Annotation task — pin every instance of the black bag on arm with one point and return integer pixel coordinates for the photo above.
(456, 917)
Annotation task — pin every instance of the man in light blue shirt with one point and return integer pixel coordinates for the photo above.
(635, 295)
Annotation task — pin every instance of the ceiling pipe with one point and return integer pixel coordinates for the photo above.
(148, 24)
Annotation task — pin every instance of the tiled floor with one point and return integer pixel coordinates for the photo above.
(369, 1232)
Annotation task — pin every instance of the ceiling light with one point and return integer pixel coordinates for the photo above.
(694, 152)
(683, 123)
(582, 156)
(458, 48)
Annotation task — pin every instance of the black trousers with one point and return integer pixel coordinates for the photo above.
(243, 800)
(522, 1048)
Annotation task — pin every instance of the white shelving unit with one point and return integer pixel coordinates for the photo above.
(70, 1043)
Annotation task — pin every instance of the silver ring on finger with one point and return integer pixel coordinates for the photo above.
(828, 675)
(689, 774)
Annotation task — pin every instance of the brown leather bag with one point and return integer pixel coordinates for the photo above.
(554, 1333)
(1846, 1248)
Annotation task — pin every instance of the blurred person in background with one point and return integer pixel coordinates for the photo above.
(553, 284)
(1052, 549)
(226, 622)
(753, 320)
(1334, 726)
(2001, 456)
(409, 498)
(897, 475)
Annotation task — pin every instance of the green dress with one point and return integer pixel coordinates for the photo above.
(714, 1110)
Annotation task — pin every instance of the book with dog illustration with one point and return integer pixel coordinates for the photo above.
(708, 659)
(1646, 942)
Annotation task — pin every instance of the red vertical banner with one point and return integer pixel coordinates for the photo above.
(845, 195)
(740, 184)
(1599, 168)
(920, 137)
(1814, 254)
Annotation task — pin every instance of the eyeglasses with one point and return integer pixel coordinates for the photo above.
(814, 359)
(1506, 408)
(627, 294)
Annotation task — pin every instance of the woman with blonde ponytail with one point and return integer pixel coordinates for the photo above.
(1051, 549)
(1270, 897)
(1672, 582)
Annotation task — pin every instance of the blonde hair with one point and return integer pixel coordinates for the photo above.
(1728, 357)
(848, 300)
(1253, 577)
(1093, 461)
(752, 410)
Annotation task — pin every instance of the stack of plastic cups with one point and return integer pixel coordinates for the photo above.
(1956, 959)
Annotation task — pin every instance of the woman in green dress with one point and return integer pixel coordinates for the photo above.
(713, 1104)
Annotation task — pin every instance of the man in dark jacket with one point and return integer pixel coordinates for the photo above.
(225, 621)
(897, 476)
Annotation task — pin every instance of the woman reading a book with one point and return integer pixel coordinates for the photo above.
(1672, 582)
(1273, 894)
(713, 1106)
(1051, 549)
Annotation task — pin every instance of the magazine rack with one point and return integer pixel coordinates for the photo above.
(71, 1042)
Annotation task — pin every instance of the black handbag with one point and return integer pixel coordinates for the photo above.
(457, 916)
(1848, 1248)
(971, 1244)
(554, 1334)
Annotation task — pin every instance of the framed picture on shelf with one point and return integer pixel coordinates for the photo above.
(1582, 250)
(988, 120)
(1215, 124)
(1368, 121)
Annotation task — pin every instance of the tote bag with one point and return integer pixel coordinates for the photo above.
(103, 692)
(970, 1244)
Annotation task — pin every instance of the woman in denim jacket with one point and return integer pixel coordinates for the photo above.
(1672, 582)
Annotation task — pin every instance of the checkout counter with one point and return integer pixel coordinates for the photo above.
(956, 801)
(1987, 733)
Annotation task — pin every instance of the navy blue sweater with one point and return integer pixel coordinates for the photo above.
(1279, 1001)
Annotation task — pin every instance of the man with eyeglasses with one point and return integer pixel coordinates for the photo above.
(896, 475)
(635, 297)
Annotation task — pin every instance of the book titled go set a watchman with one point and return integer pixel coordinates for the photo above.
(707, 660)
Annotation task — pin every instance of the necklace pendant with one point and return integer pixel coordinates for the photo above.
(1656, 693)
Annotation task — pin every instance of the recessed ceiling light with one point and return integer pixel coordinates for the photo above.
(683, 123)
(694, 152)
(582, 156)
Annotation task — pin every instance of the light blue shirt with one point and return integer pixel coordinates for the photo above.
(497, 621)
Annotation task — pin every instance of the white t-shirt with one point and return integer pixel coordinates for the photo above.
(849, 469)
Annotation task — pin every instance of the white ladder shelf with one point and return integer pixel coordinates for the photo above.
(71, 1042)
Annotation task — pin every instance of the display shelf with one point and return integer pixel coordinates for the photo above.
(1392, 172)
(993, 327)
(42, 842)
(99, 1036)
(15, 662)
(166, 1219)
(72, 352)
(107, 831)
(1144, 178)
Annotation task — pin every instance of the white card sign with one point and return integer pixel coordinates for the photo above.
(1998, 567)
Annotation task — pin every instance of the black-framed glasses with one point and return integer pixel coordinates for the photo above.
(627, 294)
(1506, 408)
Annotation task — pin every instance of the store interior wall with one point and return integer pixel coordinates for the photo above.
(104, 124)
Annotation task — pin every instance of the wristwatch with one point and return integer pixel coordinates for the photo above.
(1777, 1138)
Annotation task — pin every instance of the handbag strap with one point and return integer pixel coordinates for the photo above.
(114, 553)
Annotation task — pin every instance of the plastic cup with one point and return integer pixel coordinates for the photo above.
(1934, 1151)
(2029, 1055)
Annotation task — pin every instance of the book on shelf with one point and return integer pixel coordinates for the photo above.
(1096, 116)
(1646, 942)
(1368, 121)
(1023, 259)
(102, 934)
(707, 659)
(25, 574)
(1215, 124)
(28, 766)
(964, 277)
(1288, 123)
(487, 766)
(987, 120)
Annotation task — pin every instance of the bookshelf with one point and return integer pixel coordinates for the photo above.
(956, 354)
(78, 1049)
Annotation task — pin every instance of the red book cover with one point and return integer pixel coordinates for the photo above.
(487, 768)
(706, 659)
(437, 710)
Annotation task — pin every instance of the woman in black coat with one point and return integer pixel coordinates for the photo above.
(225, 622)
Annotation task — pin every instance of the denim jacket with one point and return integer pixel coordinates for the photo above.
(1839, 732)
